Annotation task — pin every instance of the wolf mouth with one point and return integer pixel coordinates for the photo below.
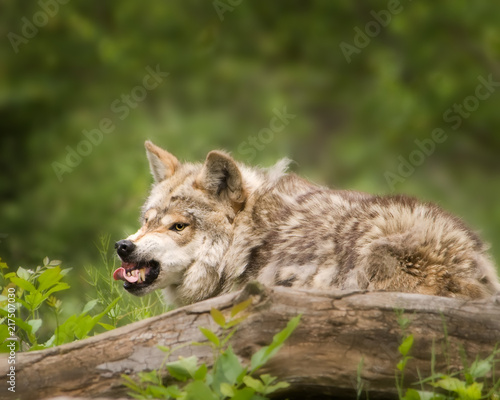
(137, 275)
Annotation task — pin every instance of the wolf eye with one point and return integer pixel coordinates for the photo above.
(179, 226)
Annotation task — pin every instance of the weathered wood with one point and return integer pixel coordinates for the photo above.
(321, 358)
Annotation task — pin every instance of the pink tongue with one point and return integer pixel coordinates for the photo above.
(121, 274)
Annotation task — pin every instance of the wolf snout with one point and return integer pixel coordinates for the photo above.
(124, 248)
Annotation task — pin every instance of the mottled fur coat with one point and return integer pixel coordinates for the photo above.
(210, 228)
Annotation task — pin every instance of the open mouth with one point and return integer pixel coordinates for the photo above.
(137, 275)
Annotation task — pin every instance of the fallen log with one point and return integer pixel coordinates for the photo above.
(337, 332)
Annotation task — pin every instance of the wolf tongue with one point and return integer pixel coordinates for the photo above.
(121, 274)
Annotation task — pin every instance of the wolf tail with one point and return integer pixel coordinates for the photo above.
(415, 263)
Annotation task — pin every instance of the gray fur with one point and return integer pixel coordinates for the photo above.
(248, 223)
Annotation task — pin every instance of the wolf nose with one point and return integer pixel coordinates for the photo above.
(124, 247)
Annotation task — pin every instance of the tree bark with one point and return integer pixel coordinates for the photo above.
(338, 331)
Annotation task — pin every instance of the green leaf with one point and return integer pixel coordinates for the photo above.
(273, 388)
(34, 300)
(4, 332)
(35, 324)
(226, 389)
(5, 349)
(262, 356)
(65, 271)
(218, 317)
(22, 302)
(480, 368)
(201, 372)
(450, 384)
(227, 368)
(89, 306)
(425, 395)
(212, 337)
(64, 332)
(57, 288)
(20, 324)
(406, 345)
(55, 263)
(23, 284)
(97, 317)
(267, 379)
(23, 274)
(184, 368)
(402, 364)
(246, 394)
(159, 392)
(108, 327)
(240, 307)
(78, 326)
(243, 373)
(50, 342)
(83, 326)
(165, 349)
(255, 384)
(46, 261)
(149, 377)
(49, 278)
(130, 383)
(473, 392)
(174, 391)
(198, 390)
(412, 394)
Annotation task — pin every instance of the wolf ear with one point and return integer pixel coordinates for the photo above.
(221, 177)
(162, 163)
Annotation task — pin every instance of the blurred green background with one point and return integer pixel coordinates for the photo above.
(363, 79)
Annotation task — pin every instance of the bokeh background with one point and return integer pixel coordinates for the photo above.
(363, 79)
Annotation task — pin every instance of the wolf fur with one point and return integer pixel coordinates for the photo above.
(210, 228)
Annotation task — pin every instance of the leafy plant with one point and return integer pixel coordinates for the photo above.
(473, 382)
(403, 349)
(470, 383)
(227, 379)
(26, 293)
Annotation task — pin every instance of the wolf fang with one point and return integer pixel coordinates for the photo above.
(241, 223)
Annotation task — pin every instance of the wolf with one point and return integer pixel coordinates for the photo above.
(209, 228)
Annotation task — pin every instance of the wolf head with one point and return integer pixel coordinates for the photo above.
(187, 226)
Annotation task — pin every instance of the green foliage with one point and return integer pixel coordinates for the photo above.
(265, 353)
(34, 290)
(473, 382)
(228, 378)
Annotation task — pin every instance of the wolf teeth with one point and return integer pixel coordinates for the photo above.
(142, 274)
